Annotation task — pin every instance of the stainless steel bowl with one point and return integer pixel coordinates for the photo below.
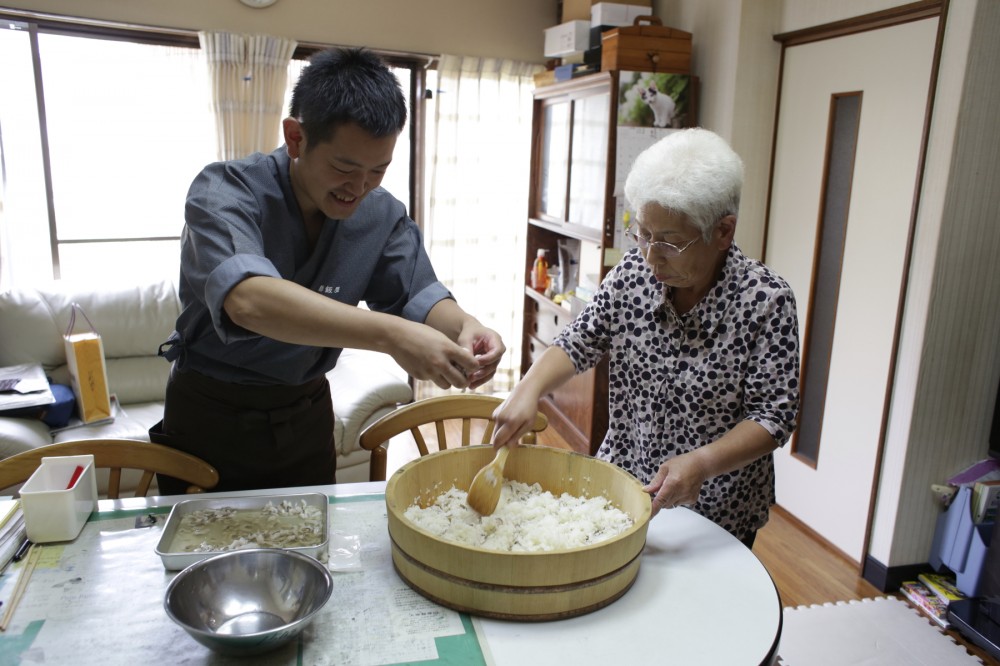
(248, 601)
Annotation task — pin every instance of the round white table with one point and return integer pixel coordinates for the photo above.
(701, 597)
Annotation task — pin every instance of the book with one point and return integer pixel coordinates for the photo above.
(8, 509)
(984, 470)
(985, 500)
(942, 585)
(13, 531)
(926, 602)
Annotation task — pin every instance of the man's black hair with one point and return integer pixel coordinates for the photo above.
(342, 86)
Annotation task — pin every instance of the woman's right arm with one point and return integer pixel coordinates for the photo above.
(577, 348)
(515, 416)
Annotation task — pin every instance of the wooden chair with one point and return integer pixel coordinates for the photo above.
(116, 455)
(464, 406)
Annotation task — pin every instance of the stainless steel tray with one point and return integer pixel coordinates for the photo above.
(174, 560)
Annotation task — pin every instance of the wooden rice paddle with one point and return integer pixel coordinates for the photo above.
(484, 493)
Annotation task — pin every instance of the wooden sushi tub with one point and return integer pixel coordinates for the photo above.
(529, 586)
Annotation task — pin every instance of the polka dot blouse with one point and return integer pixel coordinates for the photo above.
(679, 382)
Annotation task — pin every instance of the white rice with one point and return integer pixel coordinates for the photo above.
(527, 519)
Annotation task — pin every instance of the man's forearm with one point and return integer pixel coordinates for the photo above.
(288, 312)
(449, 318)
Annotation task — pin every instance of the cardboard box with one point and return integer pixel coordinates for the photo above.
(545, 78)
(616, 13)
(566, 38)
(650, 47)
(579, 10)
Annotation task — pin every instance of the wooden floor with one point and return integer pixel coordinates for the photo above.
(805, 568)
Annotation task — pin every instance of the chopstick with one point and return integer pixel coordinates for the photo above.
(34, 554)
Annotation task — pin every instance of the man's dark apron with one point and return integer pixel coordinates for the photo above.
(256, 436)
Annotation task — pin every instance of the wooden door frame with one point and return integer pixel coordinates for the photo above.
(883, 19)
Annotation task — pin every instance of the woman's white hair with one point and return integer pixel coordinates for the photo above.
(691, 172)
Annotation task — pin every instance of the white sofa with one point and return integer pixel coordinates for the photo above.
(133, 321)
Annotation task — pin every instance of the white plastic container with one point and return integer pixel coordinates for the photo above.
(567, 38)
(56, 506)
(616, 13)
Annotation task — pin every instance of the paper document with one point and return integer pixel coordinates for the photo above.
(24, 386)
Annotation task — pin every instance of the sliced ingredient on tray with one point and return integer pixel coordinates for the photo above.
(283, 525)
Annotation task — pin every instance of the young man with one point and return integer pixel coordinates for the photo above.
(277, 252)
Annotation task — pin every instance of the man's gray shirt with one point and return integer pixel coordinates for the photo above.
(242, 220)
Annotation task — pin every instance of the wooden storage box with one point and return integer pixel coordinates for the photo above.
(647, 46)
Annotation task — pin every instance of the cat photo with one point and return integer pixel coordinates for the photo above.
(660, 100)
(663, 106)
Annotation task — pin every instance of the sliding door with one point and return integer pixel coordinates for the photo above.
(846, 162)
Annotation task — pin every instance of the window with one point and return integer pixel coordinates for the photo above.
(842, 145)
(99, 155)
(123, 128)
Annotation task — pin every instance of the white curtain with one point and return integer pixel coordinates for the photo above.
(5, 276)
(479, 150)
(248, 74)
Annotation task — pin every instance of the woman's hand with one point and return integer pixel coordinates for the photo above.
(514, 416)
(677, 482)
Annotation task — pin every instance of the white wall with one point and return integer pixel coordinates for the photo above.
(737, 60)
(737, 63)
(949, 359)
(496, 28)
(800, 14)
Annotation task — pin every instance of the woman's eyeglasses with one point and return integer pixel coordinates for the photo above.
(664, 248)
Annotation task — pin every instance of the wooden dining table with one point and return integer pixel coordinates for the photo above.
(701, 597)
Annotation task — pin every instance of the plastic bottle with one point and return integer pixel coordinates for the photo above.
(540, 272)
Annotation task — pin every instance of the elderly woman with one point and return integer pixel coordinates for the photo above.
(702, 341)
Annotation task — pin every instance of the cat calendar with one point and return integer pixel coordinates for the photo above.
(630, 141)
(650, 106)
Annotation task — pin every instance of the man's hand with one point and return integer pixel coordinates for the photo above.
(482, 343)
(486, 346)
(428, 354)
